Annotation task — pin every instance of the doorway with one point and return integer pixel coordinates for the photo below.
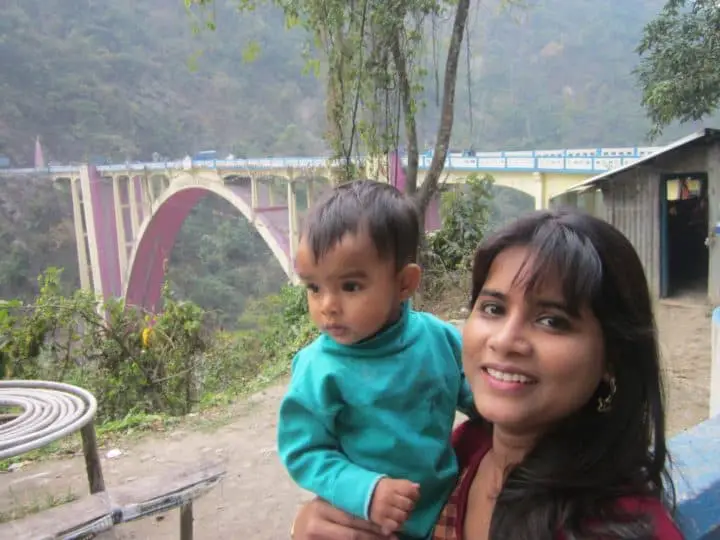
(684, 220)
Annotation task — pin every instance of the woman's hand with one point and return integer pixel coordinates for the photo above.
(318, 520)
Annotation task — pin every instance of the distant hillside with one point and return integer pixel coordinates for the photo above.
(113, 79)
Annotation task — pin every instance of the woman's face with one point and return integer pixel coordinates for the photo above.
(528, 361)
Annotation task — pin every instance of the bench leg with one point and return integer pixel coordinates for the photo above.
(186, 521)
(92, 459)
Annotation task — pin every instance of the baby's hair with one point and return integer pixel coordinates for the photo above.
(388, 216)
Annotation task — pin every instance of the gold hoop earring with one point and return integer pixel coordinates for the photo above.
(605, 403)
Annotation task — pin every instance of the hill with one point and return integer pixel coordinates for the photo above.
(123, 80)
(115, 80)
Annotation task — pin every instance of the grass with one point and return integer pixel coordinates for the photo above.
(213, 412)
(20, 509)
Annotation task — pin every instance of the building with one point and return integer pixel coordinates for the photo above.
(668, 205)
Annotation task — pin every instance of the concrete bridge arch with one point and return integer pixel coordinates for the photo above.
(157, 234)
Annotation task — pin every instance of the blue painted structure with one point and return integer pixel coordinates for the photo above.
(696, 473)
(569, 161)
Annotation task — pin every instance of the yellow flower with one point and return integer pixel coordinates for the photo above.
(145, 337)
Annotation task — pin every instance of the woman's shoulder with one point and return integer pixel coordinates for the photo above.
(656, 511)
(470, 438)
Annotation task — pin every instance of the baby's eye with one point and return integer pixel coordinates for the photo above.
(351, 286)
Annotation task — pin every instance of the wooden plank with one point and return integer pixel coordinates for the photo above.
(186, 521)
(92, 459)
(135, 500)
(89, 514)
(150, 496)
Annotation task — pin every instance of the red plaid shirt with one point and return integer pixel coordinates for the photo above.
(471, 441)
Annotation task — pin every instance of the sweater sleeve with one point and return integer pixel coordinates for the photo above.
(466, 403)
(307, 443)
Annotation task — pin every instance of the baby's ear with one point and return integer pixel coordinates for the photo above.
(409, 280)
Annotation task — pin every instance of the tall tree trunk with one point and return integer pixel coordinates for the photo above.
(409, 110)
(432, 177)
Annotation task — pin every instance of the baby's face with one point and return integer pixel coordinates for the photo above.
(352, 292)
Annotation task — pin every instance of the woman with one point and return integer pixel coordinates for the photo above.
(561, 352)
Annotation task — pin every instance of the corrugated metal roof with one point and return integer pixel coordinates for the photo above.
(692, 138)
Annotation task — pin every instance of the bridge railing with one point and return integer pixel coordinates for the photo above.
(567, 161)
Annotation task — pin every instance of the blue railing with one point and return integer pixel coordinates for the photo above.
(696, 474)
(696, 470)
(562, 161)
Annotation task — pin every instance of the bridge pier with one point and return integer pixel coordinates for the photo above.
(119, 211)
(293, 224)
(81, 239)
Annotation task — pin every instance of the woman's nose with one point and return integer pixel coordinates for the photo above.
(510, 337)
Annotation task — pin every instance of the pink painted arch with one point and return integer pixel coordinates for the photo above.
(158, 233)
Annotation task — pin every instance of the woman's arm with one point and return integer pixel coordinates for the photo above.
(318, 520)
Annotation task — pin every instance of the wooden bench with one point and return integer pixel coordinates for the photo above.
(139, 499)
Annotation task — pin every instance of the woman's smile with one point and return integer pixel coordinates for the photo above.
(529, 362)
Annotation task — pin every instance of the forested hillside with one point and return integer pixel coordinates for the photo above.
(115, 79)
(126, 79)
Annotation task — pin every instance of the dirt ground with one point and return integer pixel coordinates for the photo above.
(257, 500)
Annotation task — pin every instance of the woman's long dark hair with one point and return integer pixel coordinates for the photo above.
(575, 474)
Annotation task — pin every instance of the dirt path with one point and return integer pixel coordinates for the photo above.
(257, 500)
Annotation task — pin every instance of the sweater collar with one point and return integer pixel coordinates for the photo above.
(386, 341)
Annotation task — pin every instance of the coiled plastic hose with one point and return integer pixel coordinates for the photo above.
(50, 411)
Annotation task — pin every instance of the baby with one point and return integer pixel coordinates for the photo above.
(366, 420)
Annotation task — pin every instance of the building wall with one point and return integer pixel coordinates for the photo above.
(690, 159)
(631, 203)
(713, 170)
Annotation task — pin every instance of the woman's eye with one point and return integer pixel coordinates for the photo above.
(312, 287)
(491, 308)
(554, 322)
(351, 287)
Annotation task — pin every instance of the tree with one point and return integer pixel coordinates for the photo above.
(679, 72)
(370, 51)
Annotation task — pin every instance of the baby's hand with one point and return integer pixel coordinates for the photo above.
(392, 502)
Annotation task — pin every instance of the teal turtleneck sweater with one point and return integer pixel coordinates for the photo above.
(382, 407)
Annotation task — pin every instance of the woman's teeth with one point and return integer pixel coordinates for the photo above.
(508, 377)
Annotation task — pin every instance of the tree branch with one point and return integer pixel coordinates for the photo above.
(406, 98)
(442, 142)
(360, 74)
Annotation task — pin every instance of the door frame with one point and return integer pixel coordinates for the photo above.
(664, 237)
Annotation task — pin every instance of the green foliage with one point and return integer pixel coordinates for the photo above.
(679, 71)
(220, 262)
(466, 214)
(35, 232)
(273, 330)
(113, 80)
(137, 364)
(372, 51)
